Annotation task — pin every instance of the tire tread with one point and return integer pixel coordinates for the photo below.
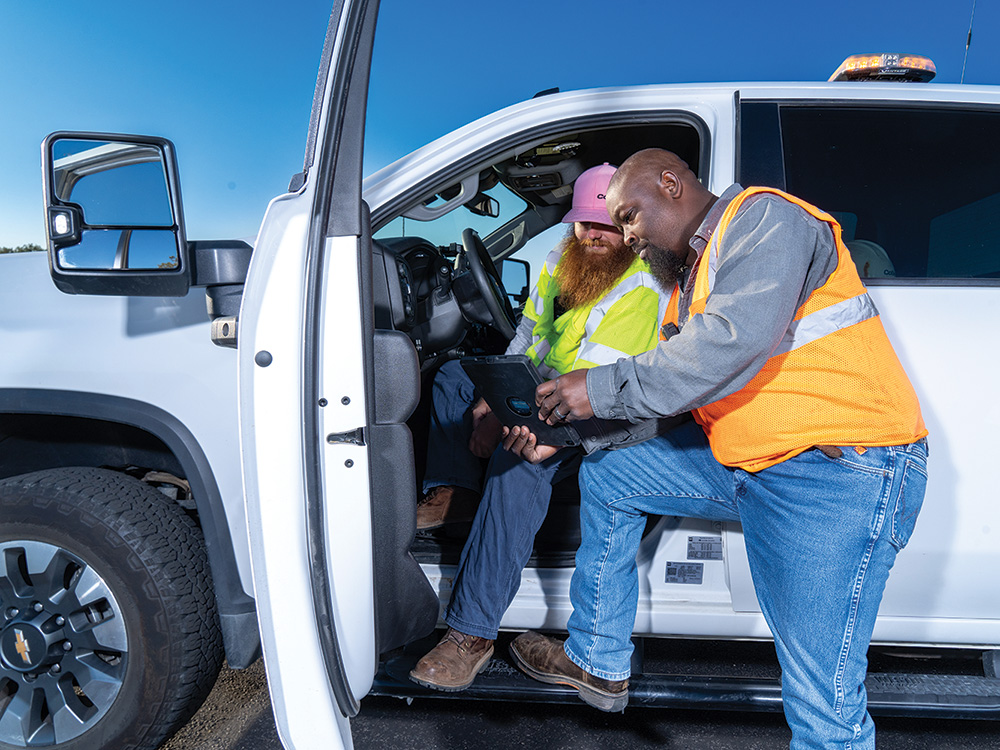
(169, 545)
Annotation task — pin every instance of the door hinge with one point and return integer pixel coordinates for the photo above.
(351, 437)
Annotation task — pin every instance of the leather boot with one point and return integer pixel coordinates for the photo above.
(446, 504)
(543, 659)
(453, 664)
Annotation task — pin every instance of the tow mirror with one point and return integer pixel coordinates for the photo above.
(113, 215)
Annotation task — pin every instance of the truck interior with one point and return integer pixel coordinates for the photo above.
(426, 285)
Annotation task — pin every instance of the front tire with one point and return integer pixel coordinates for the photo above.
(109, 635)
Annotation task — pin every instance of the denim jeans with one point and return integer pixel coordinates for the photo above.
(821, 536)
(515, 500)
(448, 458)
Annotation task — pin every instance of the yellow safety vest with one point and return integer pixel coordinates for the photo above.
(833, 380)
(596, 334)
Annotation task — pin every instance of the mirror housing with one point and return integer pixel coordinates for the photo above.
(515, 273)
(114, 219)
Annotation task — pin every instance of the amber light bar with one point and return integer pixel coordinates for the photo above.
(885, 67)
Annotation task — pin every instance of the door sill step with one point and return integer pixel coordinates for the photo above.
(889, 694)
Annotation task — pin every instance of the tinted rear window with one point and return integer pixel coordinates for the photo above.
(917, 189)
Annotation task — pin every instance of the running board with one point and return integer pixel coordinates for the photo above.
(889, 694)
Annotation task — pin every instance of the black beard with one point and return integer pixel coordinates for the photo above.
(666, 266)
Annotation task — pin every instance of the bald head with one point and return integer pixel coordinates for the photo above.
(658, 202)
(647, 165)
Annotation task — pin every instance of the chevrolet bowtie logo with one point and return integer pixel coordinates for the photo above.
(22, 646)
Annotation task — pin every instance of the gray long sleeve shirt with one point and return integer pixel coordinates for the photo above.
(522, 336)
(773, 256)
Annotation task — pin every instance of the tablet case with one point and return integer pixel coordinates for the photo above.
(507, 382)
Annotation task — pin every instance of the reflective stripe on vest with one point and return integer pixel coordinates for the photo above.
(824, 322)
(834, 378)
(568, 342)
(536, 305)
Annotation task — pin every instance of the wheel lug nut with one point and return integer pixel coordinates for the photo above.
(11, 613)
(67, 646)
(55, 669)
(60, 620)
(38, 606)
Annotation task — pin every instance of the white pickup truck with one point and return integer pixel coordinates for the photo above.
(176, 488)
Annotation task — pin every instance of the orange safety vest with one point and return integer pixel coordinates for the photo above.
(833, 380)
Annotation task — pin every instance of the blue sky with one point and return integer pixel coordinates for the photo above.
(231, 82)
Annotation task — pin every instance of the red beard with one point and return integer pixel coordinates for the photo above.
(583, 277)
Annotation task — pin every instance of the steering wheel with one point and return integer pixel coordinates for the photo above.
(488, 283)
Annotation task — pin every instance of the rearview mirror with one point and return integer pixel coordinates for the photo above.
(484, 205)
(113, 215)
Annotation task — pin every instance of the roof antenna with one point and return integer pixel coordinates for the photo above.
(968, 40)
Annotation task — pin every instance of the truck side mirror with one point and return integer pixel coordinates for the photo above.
(515, 274)
(113, 215)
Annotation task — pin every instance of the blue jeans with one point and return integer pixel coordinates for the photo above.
(515, 500)
(821, 536)
(448, 458)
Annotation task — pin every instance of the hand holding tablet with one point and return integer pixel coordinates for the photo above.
(508, 383)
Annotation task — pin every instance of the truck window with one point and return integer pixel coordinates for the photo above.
(916, 188)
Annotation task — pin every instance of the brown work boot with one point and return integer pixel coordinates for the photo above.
(446, 504)
(453, 664)
(544, 659)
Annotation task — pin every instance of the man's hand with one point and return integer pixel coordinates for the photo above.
(486, 430)
(564, 399)
(479, 410)
(522, 442)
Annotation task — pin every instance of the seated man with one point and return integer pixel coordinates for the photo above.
(595, 302)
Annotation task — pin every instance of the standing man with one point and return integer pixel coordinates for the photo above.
(807, 432)
(594, 303)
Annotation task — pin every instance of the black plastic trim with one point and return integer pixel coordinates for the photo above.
(217, 262)
(759, 156)
(854, 103)
(918, 281)
(299, 180)
(237, 609)
(406, 606)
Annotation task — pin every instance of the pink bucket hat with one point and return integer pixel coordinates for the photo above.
(588, 196)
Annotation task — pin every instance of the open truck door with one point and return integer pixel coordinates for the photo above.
(328, 459)
(327, 456)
